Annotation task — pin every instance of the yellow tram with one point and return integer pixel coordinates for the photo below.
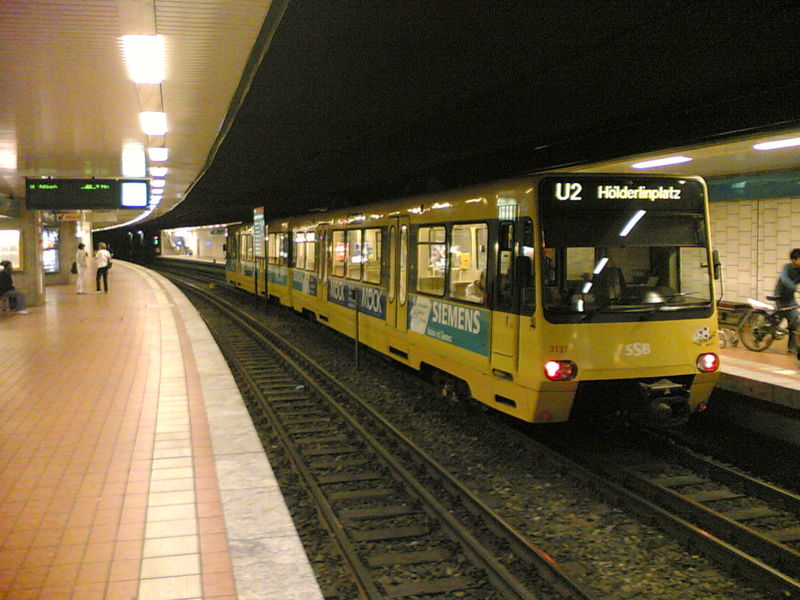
(542, 297)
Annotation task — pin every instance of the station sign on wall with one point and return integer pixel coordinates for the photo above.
(86, 194)
(259, 247)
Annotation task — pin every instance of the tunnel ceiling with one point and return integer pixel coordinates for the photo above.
(357, 101)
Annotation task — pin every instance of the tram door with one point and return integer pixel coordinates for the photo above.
(397, 294)
(505, 321)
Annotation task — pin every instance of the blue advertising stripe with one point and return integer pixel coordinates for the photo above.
(371, 301)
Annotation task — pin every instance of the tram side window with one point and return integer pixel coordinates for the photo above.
(272, 253)
(371, 255)
(505, 266)
(278, 248)
(524, 269)
(246, 247)
(304, 250)
(299, 250)
(404, 262)
(231, 246)
(431, 260)
(339, 254)
(284, 248)
(354, 254)
(468, 251)
(311, 250)
(272, 248)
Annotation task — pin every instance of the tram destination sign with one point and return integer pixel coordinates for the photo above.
(86, 194)
(600, 192)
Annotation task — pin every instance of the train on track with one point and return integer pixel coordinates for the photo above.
(544, 297)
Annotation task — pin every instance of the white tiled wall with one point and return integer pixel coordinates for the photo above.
(754, 238)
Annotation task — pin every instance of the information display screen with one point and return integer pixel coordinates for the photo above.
(86, 194)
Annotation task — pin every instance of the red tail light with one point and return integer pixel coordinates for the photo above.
(560, 370)
(708, 362)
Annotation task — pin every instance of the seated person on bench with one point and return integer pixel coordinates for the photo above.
(16, 299)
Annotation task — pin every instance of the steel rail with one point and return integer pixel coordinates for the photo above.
(734, 559)
(506, 583)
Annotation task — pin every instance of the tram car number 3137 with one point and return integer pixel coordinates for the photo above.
(549, 298)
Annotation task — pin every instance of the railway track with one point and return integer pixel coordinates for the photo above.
(403, 525)
(199, 271)
(746, 525)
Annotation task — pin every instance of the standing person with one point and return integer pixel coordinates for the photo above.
(784, 292)
(81, 263)
(16, 299)
(102, 259)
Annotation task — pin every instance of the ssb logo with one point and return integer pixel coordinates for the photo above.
(638, 349)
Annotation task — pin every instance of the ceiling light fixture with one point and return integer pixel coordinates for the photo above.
(774, 145)
(158, 183)
(133, 163)
(158, 171)
(153, 122)
(144, 57)
(158, 154)
(661, 162)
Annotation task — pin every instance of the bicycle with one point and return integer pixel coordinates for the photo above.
(763, 324)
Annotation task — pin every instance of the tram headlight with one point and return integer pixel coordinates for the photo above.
(708, 362)
(560, 370)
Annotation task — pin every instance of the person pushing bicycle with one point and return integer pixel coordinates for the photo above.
(785, 288)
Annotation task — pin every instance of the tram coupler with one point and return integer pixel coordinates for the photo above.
(666, 402)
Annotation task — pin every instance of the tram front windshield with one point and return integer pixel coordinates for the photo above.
(625, 263)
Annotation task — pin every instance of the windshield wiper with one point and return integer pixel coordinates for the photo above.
(619, 305)
(665, 303)
(607, 304)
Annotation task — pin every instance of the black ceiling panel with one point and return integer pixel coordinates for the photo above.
(359, 100)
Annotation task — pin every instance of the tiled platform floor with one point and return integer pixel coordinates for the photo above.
(128, 465)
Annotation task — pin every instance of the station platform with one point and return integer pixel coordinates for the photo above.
(765, 390)
(129, 466)
(772, 375)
